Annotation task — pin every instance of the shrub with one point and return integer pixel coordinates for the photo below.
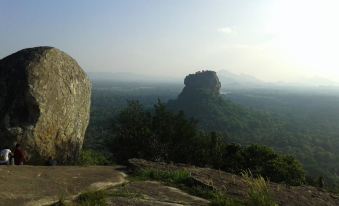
(91, 157)
(263, 161)
(285, 169)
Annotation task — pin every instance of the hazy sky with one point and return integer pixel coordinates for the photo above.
(274, 40)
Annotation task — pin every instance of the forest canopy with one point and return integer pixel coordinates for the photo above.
(162, 135)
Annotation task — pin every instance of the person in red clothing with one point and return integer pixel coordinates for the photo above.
(19, 156)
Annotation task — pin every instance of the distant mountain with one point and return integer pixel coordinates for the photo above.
(124, 76)
(230, 80)
(128, 77)
(317, 82)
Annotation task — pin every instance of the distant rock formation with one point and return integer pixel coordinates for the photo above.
(44, 103)
(206, 81)
(201, 100)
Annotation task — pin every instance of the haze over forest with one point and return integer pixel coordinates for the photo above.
(176, 99)
(272, 40)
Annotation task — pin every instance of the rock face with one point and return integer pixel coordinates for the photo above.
(44, 104)
(202, 81)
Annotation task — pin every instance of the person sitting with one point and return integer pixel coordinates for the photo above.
(5, 156)
(51, 162)
(19, 156)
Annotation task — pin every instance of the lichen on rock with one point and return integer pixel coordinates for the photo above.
(44, 103)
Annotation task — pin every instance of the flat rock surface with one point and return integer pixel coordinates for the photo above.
(39, 185)
(150, 193)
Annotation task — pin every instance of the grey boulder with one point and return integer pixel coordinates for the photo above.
(44, 104)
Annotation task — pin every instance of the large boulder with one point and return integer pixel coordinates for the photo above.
(44, 104)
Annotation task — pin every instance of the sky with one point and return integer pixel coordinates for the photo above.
(273, 40)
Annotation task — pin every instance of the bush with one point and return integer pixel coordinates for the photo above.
(285, 169)
(91, 157)
(263, 161)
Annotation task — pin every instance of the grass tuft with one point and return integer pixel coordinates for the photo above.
(91, 199)
(220, 199)
(171, 177)
(259, 193)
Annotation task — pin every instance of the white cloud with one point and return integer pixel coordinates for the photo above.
(226, 30)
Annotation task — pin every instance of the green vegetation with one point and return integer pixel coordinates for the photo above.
(161, 135)
(166, 136)
(91, 199)
(308, 127)
(173, 177)
(294, 136)
(215, 113)
(221, 200)
(86, 199)
(299, 123)
(262, 161)
(178, 178)
(259, 193)
(91, 157)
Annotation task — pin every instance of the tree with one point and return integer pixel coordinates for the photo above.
(133, 137)
(285, 169)
(175, 134)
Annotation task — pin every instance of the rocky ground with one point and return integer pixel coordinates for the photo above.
(150, 193)
(38, 185)
(236, 187)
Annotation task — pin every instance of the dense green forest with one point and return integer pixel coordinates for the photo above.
(310, 126)
(162, 135)
(108, 98)
(302, 124)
